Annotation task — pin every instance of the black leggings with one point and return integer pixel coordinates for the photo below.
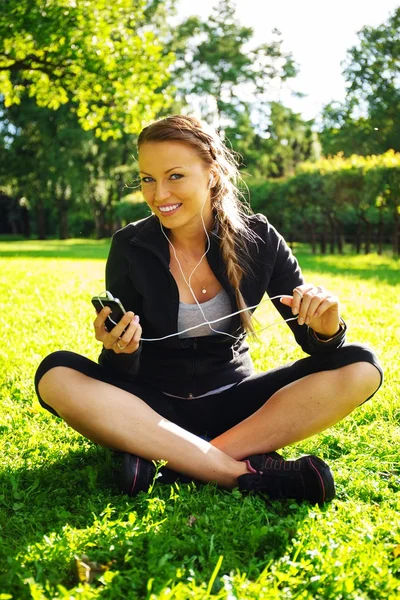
(212, 415)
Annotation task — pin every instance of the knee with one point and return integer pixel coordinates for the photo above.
(52, 386)
(52, 378)
(364, 379)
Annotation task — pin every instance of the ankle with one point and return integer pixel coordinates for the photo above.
(231, 472)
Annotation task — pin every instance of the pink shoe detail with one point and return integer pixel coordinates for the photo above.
(310, 462)
(136, 474)
(250, 468)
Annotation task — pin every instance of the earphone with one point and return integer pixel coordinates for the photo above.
(206, 321)
(188, 283)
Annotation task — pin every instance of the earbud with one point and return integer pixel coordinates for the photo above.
(211, 180)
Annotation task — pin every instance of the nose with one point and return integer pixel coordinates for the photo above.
(161, 192)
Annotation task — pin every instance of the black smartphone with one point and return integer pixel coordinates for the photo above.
(117, 310)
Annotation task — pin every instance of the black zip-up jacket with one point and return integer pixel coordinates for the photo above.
(137, 272)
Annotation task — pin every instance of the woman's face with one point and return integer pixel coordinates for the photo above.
(175, 183)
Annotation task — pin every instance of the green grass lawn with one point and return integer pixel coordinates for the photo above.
(59, 502)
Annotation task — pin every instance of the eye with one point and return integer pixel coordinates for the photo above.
(145, 179)
(178, 175)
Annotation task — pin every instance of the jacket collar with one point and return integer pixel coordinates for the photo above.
(149, 235)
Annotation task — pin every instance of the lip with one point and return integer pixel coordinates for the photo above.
(170, 212)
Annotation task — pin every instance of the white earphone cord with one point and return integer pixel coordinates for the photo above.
(215, 321)
(206, 321)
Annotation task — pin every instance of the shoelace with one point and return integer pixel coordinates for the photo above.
(280, 465)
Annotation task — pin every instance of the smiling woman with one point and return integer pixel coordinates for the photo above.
(200, 258)
(179, 190)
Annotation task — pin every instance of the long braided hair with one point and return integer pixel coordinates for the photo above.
(225, 195)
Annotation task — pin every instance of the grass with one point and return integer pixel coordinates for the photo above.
(58, 500)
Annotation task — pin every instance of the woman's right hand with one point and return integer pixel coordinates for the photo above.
(116, 340)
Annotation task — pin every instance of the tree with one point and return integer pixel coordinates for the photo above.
(72, 179)
(275, 152)
(367, 122)
(103, 57)
(343, 133)
(215, 66)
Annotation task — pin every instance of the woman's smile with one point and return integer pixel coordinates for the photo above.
(169, 209)
(175, 184)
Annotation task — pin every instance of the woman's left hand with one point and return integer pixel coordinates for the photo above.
(316, 307)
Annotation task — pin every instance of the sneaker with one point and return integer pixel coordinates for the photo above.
(307, 478)
(137, 475)
(259, 461)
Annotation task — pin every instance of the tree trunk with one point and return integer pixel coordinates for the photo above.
(313, 239)
(358, 238)
(339, 235)
(332, 233)
(41, 220)
(25, 223)
(63, 217)
(322, 242)
(396, 231)
(99, 220)
(380, 231)
(367, 245)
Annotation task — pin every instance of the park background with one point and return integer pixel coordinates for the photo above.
(78, 81)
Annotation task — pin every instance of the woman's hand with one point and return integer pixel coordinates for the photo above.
(316, 307)
(116, 340)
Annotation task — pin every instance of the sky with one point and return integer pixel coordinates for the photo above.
(317, 32)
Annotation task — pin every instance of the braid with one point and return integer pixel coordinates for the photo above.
(233, 268)
(227, 200)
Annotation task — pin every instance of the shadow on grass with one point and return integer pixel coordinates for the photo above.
(154, 535)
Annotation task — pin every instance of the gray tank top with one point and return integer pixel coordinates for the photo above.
(190, 315)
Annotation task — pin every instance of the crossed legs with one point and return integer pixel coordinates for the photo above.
(117, 419)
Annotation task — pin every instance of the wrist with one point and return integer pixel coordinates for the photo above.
(327, 336)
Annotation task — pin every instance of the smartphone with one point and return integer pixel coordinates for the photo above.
(117, 310)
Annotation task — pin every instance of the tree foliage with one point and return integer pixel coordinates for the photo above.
(367, 122)
(286, 141)
(326, 200)
(100, 56)
(216, 62)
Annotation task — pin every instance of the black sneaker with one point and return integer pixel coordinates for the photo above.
(260, 460)
(137, 474)
(307, 478)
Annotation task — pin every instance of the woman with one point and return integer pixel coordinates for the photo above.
(199, 258)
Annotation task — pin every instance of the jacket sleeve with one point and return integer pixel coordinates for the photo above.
(286, 275)
(119, 283)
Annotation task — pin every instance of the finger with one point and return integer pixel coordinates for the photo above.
(128, 334)
(306, 302)
(313, 307)
(117, 331)
(134, 343)
(102, 316)
(298, 294)
(327, 304)
(286, 300)
(99, 321)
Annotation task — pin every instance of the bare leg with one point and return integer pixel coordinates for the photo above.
(300, 410)
(114, 418)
